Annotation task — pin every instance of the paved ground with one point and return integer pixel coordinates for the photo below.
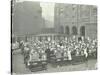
(19, 67)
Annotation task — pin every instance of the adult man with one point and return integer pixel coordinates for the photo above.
(65, 55)
(26, 54)
(48, 53)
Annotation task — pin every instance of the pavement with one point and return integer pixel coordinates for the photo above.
(18, 66)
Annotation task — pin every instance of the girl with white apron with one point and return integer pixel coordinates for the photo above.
(69, 54)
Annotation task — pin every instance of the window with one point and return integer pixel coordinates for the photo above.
(61, 11)
(82, 31)
(67, 31)
(74, 30)
(94, 11)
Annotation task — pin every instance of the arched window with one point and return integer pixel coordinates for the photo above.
(61, 30)
(67, 31)
(82, 31)
(74, 30)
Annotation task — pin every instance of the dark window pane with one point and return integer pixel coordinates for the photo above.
(82, 31)
(67, 31)
(74, 30)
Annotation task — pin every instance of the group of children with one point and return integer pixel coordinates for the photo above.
(36, 50)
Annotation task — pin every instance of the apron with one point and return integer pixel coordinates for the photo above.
(85, 53)
(69, 55)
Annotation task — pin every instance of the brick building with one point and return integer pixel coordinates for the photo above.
(72, 19)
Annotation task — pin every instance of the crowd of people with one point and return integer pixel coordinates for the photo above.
(67, 48)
